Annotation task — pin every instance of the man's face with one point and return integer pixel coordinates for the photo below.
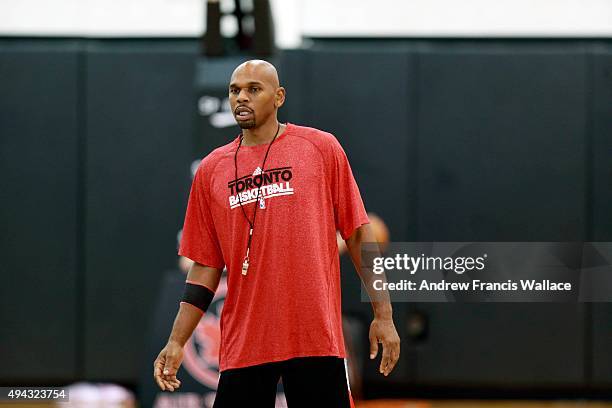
(252, 98)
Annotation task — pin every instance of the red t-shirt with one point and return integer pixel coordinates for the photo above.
(288, 303)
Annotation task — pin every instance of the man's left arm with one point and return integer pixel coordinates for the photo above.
(382, 328)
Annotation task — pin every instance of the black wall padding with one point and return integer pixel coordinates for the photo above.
(295, 76)
(601, 145)
(500, 345)
(39, 168)
(449, 141)
(501, 157)
(501, 145)
(369, 108)
(601, 196)
(139, 144)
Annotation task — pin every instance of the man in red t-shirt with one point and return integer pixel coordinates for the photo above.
(267, 207)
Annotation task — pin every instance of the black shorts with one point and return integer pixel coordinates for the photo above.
(307, 382)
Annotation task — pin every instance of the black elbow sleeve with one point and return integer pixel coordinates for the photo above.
(197, 295)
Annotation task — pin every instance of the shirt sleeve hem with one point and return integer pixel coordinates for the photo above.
(203, 261)
(348, 232)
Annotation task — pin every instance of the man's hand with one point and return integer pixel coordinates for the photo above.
(383, 331)
(166, 366)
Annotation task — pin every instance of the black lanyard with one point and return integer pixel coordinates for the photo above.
(245, 263)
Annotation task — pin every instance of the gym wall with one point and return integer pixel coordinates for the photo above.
(450, 140)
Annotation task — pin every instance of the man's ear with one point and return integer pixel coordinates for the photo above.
(279, 97)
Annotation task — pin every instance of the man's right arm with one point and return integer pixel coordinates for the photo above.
(188, 315)
(170, 358)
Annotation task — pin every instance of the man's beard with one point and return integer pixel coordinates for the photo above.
(247, 124)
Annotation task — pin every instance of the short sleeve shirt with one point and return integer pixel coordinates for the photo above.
(288, 303)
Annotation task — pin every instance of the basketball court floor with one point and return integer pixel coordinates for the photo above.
(418, 404)
(481, 404)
